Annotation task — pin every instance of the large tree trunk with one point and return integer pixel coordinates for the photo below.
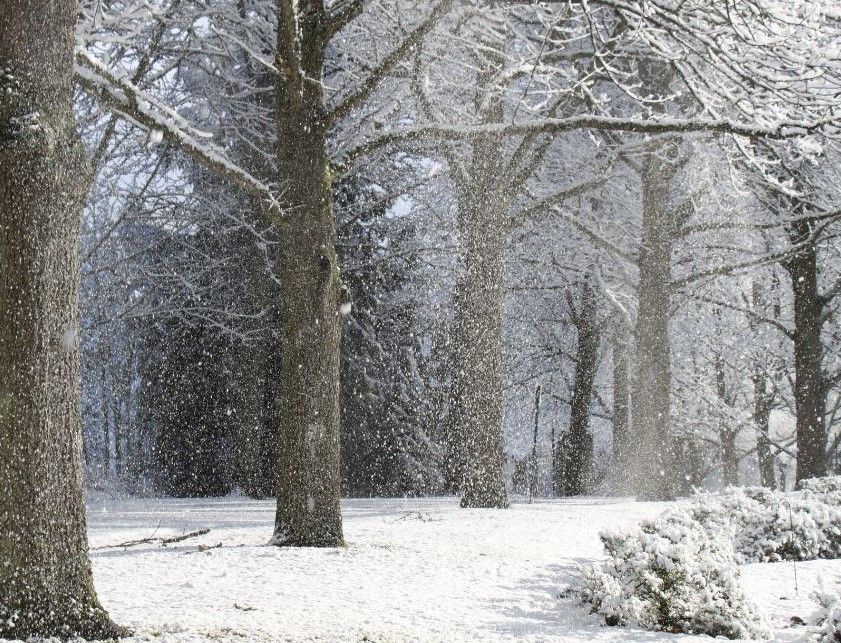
(477, 337)
(308, 512)
(580, 442)
(762, 400)
(651, 458)
(46, 588)
(476, 405)
(475, 436)
(809, 386)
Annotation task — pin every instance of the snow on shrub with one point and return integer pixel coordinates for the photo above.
(768, 526)
(671, 574)
(829, 484)
(679, 573)
(827, 620)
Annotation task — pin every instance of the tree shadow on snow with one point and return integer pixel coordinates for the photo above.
(541, 608)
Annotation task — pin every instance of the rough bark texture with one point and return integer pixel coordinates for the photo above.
(308, 512)
(809, 387)
(477, 333)
(46, 588)
(475, 431)
(578, 462)
(478, 356)
(651, 461)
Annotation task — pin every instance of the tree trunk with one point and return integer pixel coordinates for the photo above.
(651, 460)
(46, 588)
(483, 202)
(729, 457)
(579, 462)
(308, 511)
(477, 333)
(105, 418)
(726, 434)
(763, 400)
(534, 471)
(809, 387)
(477, 337)
(117, 415)
(621, 394)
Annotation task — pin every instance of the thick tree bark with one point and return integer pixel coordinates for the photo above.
(308, 512)
(477, 337)
(475, 431)
(651, 463)
(580, 442)
(476, 406)
(46, 588)
(809, 387)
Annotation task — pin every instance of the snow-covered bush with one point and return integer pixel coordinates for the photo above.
(827, 620)
(829, 484)
(768, 526)
(671, 574)
(679, 573)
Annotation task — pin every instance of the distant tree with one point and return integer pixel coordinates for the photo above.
(46, 587)
(578, 451)
(802, 194)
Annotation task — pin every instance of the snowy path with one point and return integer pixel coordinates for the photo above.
(414, 570)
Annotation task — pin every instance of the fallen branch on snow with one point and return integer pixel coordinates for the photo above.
(162, 541)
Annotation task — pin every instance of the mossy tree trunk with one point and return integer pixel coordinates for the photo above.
(46, 588)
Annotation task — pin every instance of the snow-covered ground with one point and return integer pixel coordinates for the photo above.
(413, 570)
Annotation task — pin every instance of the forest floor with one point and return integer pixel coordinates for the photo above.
(413, 570)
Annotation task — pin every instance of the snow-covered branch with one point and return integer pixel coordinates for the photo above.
(653, 126)
(139, 107)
